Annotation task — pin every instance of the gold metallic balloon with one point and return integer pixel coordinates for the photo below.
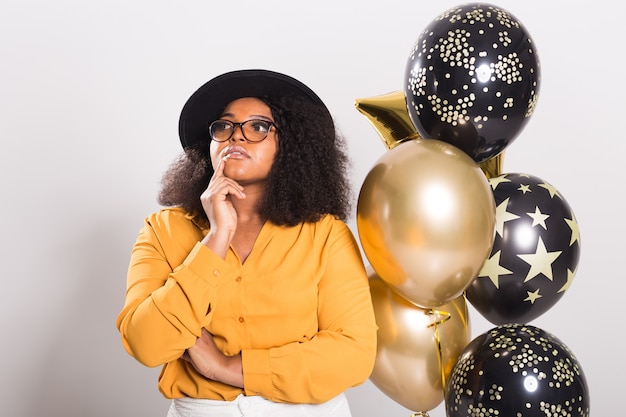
(417, 348)
(492, 167)
(426, 220)
(389, 116)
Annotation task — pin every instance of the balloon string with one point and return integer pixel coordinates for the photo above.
(420, 414)
(443, 317)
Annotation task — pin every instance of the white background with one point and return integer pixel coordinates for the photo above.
(90, 94)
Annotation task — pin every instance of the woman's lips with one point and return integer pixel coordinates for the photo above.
(235, 152)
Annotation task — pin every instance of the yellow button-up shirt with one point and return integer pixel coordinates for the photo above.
(298, 309)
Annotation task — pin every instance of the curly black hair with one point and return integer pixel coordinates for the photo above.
(309, 177)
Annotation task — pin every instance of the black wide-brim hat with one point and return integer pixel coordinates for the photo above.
(208, 102)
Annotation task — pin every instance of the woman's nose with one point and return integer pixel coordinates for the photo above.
(238, 133)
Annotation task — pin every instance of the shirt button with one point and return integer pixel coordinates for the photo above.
(216, 272)
(241, 320)
(238, 279)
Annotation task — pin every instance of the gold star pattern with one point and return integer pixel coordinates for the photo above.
(573, 224)
(540, 262)
(503, 216)
(524, 188)
(570, 278)
(492, 269)
(533, 296)
(539, 218)
(495, 181)
(553, 191)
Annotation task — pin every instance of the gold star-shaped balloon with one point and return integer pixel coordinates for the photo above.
(388, 114)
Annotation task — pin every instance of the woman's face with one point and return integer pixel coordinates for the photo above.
(246, 162)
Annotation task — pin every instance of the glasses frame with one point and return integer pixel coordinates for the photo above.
(241, 127)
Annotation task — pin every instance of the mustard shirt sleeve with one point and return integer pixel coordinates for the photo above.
(171, 283)
(341, 355)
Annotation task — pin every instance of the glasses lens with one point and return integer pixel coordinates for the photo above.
(221, 130)
(256, 130)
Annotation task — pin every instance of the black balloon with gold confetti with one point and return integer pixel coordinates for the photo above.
(472, 79)
(517, 370)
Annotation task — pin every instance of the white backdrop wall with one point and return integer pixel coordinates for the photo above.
(90, 93)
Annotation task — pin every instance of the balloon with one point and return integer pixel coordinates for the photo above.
(417, 347)
(492, 167)
(517, 370)
(472, 79)
(535, 253)
(426, 220)
(388, 115)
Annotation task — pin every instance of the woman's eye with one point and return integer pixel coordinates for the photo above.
(222, 126)
(260, 126)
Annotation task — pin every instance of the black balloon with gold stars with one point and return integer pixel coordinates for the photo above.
(472, 79)
(517, 370)
(535, 253)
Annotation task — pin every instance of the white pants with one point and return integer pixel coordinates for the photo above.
(244, 406)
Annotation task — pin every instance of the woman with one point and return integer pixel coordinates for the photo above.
(248, 288)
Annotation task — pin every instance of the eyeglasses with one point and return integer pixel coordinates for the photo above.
(253, 130)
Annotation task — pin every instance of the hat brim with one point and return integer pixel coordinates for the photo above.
(207, 103)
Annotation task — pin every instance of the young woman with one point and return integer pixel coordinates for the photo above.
(248, 287)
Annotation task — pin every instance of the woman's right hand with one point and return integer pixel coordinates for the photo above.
(211, 363)
(217, 204)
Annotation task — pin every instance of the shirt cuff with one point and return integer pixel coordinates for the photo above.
(257, 378)
(203, 262)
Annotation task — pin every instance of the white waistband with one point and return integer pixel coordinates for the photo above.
(254, 406)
